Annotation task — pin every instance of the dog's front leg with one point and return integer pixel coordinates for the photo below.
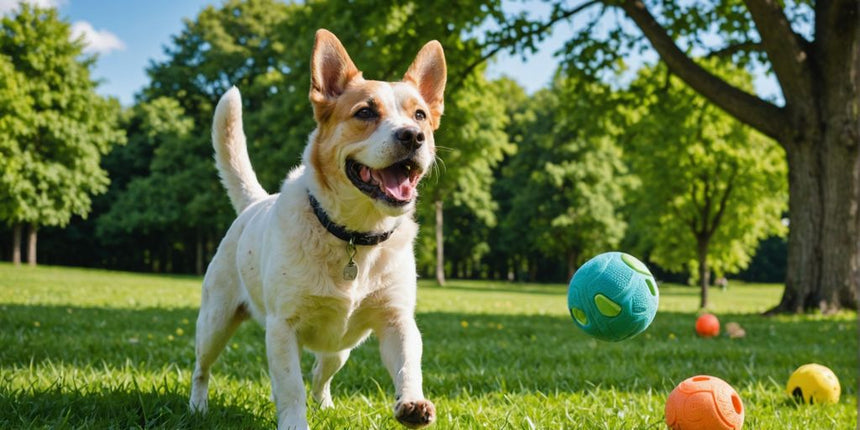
(284, 353)
(400, 347)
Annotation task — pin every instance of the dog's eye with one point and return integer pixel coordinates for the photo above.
(420, 115)
(366, 113)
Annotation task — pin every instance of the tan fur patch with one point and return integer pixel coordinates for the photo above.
(340, 128)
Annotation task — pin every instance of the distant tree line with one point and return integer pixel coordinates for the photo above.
(528, 186)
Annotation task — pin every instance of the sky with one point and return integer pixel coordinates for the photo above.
(128, 35)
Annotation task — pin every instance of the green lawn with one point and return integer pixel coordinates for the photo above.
(97, 349)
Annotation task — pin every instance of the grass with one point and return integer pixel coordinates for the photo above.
(97, 349)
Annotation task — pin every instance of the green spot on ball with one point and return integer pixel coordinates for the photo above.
(579, 316)
(635, 264)
(606, 306)
(651, 286)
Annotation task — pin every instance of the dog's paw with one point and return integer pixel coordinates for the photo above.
(325, 402)
(415, 414)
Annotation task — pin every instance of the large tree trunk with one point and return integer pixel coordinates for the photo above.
(32, 234)
(16, 244)
(823, 253)
(440, 244)
(824, 172)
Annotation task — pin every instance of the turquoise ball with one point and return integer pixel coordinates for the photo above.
(613, 296)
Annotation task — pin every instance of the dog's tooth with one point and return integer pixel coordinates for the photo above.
(365, 174)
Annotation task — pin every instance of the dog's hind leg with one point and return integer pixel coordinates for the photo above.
(220, 316)
(326, 366)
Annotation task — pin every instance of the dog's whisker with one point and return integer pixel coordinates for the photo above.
(436, 167)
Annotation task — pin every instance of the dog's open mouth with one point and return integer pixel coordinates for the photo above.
(395, 184)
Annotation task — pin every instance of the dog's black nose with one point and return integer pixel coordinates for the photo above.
(410, 137)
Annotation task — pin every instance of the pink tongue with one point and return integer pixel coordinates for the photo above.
(395, 183)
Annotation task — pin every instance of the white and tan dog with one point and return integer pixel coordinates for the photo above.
(330, 258)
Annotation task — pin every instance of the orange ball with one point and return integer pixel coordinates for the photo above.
(707, 325)
(704, 403)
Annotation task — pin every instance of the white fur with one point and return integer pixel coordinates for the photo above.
(231, 153)
(278, 265)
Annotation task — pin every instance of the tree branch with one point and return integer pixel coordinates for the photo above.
(730, 50)
(502, 44)
(785, 49)
(761, 115)
(691, 222)
(723, 203)
(706, 209)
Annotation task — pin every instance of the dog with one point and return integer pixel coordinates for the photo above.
(328, 260)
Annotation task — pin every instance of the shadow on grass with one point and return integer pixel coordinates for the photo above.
(123, 407)
(87, 336)
(464, 354)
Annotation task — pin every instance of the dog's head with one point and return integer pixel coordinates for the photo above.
(374, 139)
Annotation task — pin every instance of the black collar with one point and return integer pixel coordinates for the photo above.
(339, 231)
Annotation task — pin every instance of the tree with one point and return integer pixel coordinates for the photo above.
(257, 46)
(253, 45)
(813, 50)
(55, 127)
(568, 180)
(161, 209)
(471, 144)
(13, 107)
(712, 188)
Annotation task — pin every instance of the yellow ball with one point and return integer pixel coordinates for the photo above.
(814, 383)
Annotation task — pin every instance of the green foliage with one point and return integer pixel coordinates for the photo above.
(13, 106)
(256, 46)
(54, 128)
(173, 206)
(707, 180)
(471, 142)
(721, 29)
(567, 182)
(167, 197)
(115, 350)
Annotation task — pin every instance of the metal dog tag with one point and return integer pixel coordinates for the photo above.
(350, 271)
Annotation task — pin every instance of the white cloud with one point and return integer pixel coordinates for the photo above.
(8, 6)
(97, 41)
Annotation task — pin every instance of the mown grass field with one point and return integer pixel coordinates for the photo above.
(96, 349)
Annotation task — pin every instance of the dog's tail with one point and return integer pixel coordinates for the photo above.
(231, 153)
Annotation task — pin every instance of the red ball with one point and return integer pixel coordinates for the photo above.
(707, 325)
(704, 403)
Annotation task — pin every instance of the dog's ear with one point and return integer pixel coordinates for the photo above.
(429, 73)
(331, 71)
